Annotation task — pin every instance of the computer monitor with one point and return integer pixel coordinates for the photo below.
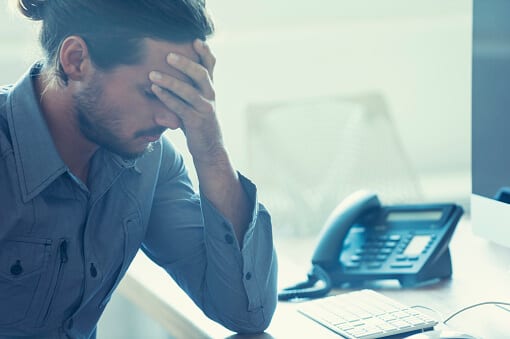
(490, 198)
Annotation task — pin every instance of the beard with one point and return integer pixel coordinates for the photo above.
(102, 125)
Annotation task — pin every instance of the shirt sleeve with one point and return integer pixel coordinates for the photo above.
(197, 246)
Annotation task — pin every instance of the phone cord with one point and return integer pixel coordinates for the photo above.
(312, 288)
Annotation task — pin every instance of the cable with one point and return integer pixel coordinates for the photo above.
(503, 308)
(318, 285)
(497, 303)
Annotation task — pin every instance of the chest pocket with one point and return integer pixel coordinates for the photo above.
(23, 263)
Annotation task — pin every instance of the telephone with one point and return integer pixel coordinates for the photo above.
(363, 240)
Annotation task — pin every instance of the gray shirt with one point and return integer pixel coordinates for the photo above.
(65, 246)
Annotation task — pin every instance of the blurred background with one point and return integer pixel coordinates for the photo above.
(319, 99)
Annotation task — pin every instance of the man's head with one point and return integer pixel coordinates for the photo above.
(101, 52)
(114, 29)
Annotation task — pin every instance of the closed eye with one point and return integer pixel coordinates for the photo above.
(150, 94)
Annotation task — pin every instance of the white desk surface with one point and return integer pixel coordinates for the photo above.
(481, 272)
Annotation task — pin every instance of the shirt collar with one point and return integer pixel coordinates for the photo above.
(37, 160)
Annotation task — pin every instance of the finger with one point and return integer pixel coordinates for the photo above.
(196, 72)
(171, 101)
(206, 56)
(182, 109)
(181, 89)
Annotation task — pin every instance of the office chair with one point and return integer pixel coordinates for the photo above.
(306, 155)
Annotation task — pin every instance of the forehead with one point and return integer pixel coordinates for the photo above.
(156, 52)
(154, 59)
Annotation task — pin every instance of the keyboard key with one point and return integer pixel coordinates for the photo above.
(387, 317)
(345, 327)
(401, 314)
(357, 332)
(400, 323)
(414, 321)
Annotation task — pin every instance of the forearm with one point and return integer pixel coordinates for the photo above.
(232, 285)
(220, 184)
(246, 277)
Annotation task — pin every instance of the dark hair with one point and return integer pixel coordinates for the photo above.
(114, 29)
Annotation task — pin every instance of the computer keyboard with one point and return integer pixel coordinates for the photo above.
(365, 314)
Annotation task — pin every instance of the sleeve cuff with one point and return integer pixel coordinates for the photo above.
(212, 216)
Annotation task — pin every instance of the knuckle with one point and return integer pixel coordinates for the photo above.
(208, 106)
(204, 73)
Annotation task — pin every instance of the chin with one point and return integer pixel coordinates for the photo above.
(128, 154)
(138, 154)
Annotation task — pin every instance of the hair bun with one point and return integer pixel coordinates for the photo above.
(32, 9)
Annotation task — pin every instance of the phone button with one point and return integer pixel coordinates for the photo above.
(352, 266)
(381, 257)
(394, 237)
(401, 265)
(359, 251)
(374, 265)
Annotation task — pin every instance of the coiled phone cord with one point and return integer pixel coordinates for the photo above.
(318, 285)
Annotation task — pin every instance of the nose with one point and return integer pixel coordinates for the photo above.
(167, 119)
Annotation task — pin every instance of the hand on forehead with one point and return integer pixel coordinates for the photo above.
(157, 52)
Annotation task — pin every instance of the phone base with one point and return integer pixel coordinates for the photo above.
(441, 269)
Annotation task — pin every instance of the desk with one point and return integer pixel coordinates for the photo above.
(481, 272)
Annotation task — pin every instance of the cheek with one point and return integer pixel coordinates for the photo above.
(132, 111)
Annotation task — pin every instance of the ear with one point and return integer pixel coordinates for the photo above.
(74, 58)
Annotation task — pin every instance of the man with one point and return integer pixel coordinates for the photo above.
(86, 179)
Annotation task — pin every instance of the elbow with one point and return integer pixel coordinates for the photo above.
(256, 321)
(252, 320)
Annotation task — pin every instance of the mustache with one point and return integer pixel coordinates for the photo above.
(150, 132)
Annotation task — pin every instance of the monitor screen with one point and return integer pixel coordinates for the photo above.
(490, 199)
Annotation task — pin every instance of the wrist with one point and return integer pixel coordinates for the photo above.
(216, 156)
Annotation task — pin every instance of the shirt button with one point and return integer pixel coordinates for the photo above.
(16, 269)
(248, 276)
(93, 270)
(229, 239)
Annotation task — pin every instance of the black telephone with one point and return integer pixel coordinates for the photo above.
(364, 241)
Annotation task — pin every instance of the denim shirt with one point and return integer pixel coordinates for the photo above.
(64, 246)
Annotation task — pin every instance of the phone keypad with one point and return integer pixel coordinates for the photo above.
(379, 250)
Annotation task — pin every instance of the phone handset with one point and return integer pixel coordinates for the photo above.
(338, 224)
(329, 246)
